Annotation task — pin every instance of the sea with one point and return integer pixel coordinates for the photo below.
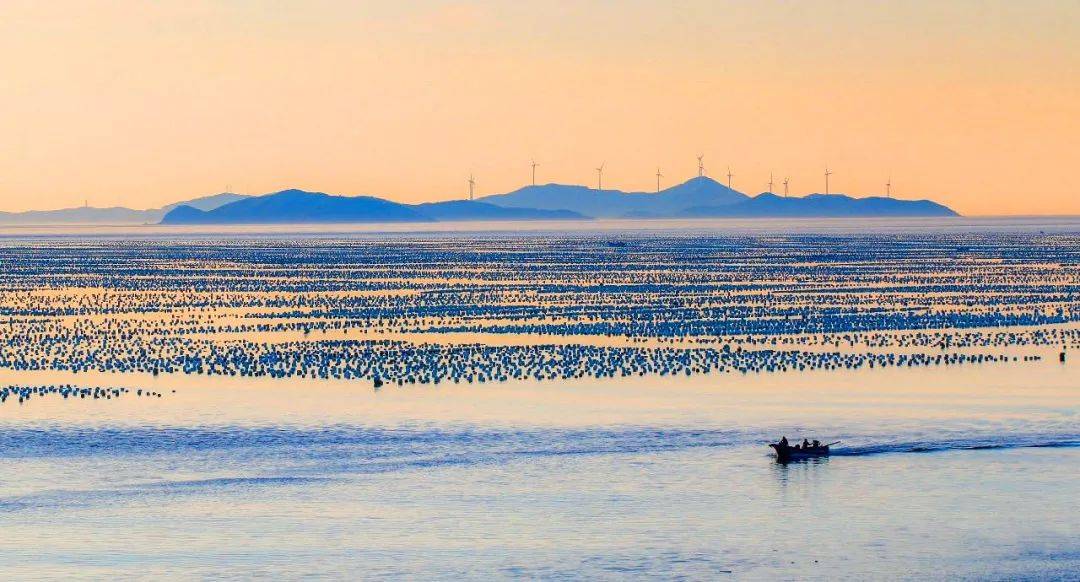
(964, 472)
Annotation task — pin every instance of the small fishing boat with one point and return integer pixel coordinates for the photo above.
(786, 452)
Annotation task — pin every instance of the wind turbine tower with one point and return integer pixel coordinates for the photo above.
(888, 188)
(534, 164)
(729, 175)
(827, 174)
(472, 184)
(701, 165)
(600, 177)
(658, 176)
(785, 187)
(770, 182)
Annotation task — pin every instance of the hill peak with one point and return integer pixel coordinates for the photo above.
(698, 191)
(298, 206)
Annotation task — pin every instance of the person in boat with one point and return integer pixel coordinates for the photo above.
(783, 442)
(817, 443)
(805, 444)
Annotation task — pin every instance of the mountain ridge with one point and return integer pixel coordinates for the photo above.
(699, 191)
(768, 205)
(297, 206)
(300, 206)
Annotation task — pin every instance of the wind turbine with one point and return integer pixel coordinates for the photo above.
(729, 175)
(534, 164)
(600, 177)
(785, 186)
(472, 183)
(770, 182)
(888, 188)
(827, 174)
(658, 176)
(701, 165)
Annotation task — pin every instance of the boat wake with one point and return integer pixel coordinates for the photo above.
(968, 444)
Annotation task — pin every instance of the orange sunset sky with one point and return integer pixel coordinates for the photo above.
(975, 104)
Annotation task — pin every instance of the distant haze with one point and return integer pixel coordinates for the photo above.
(974, 104)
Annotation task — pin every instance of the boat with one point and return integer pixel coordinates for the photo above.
(786, 452)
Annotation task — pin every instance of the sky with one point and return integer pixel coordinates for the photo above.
(975, 104)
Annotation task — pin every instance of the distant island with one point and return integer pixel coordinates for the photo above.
(301, 207)
(700, 197)
(703, 197)
(113, 215)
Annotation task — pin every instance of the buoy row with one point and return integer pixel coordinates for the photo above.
(406, 363)
(21, 394)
